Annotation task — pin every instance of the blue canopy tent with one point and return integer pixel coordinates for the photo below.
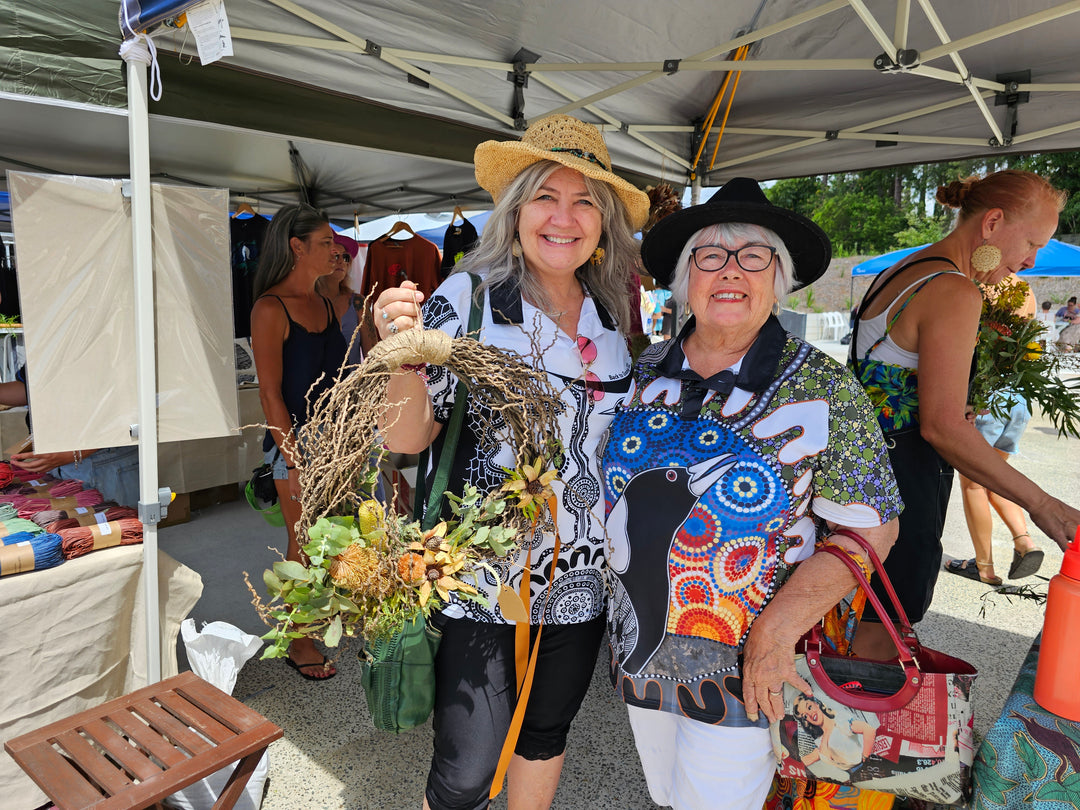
(1056, 259)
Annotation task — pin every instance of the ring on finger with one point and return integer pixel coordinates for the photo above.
(385, 317)
(779, 691)
(393, 328)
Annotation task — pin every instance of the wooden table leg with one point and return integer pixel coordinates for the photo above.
(234, 788)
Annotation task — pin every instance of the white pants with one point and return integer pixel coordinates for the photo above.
(691, 765)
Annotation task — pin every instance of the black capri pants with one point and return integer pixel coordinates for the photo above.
(925, 481)
(475, 695)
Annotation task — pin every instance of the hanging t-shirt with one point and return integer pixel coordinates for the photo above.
(458, 240)
(391, 261)
(246, 234)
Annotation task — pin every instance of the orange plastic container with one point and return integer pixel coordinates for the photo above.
(1056, 680)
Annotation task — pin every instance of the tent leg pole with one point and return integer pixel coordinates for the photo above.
(145, 353)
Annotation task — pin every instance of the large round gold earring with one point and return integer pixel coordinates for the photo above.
(515, 248)
(985, 258)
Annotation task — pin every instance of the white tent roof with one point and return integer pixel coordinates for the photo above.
(335, 79)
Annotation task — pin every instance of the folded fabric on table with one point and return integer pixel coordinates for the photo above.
(6, 475)
(23, 551)
(7, 512)
(80, 540)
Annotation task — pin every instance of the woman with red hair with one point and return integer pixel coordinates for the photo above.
(912, 347)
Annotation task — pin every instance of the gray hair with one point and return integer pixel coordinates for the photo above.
(275, 255)
(730, 232)
(608, 282)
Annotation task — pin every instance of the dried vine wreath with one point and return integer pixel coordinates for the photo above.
(370, 570)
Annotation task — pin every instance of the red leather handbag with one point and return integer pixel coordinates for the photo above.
(902, 726)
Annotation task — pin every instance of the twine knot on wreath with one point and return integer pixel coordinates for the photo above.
(412, 347)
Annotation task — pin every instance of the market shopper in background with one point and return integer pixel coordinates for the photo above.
(555, 262)
(299, 349)
(347, 304)
(912, 349)
(1003, 434)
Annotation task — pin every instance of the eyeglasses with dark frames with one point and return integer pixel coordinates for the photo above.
(751, 258)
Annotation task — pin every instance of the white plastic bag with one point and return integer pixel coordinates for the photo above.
(216, 655)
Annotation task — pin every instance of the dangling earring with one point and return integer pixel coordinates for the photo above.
(515, 248)
(597, 257)
(985, 258)
(776, 308)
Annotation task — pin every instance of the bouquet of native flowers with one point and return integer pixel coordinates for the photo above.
(1011, 362)
(371, 572)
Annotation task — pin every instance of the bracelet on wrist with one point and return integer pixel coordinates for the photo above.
(290, 466)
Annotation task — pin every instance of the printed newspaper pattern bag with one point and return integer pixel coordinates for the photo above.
(902, 727)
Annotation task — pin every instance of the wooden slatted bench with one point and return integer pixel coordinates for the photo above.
(131, 752)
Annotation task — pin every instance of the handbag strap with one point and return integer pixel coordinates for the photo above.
(814, 644)
(433, 508)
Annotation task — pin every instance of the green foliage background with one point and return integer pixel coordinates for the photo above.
(879, 210)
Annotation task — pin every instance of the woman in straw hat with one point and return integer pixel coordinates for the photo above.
(738, 443)
(554, 264)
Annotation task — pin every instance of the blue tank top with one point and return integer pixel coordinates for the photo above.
(310, 362)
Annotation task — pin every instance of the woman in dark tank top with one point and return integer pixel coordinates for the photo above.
(298, 349)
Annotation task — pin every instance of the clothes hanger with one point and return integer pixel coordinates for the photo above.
(458, 213)
(243, 208)
(397, 227)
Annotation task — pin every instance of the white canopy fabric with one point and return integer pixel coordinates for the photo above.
(821, 89)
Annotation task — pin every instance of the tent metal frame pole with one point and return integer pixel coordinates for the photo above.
(1045, 133)
(958, 63)
(1002, 30)
(878, 33)
(614, 122)
(900, 29)
(145, 352)
(720, 50)
(390, 59)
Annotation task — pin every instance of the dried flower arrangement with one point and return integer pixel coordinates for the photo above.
(368, 569)
(1010, 363)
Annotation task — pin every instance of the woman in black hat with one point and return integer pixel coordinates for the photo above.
(738, 444)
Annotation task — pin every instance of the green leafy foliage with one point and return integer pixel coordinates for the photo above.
(355, 577)
(1011, 365)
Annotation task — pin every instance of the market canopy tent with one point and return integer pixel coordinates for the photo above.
(1056, 259)
(377, 107)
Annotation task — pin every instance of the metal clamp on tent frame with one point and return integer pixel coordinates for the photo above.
(520, 79)
(905, 60)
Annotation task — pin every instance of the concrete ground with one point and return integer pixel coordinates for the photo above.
(332, 758)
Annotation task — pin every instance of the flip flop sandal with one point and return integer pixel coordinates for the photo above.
(970, 570)
(1026, 564)
(301, 667)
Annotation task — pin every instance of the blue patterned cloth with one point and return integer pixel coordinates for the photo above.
(1030, 757)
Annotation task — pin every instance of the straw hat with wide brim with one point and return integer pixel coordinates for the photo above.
(739, 200)
(565, 140)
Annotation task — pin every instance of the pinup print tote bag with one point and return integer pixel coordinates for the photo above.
(902, 727)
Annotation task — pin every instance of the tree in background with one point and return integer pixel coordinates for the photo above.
(878, 210)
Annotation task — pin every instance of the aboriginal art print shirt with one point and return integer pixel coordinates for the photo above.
(714, 490)
(591, 372)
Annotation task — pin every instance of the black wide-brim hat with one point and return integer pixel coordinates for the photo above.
(739, 200)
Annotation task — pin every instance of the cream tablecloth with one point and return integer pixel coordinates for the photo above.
(73, 637)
